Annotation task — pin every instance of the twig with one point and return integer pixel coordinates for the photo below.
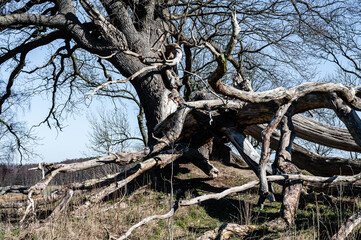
(206, 85)
(175, 49)
(126, 80)
(148, 219)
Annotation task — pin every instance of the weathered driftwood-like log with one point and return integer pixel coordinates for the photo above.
(265, 153)
(200, 158)
(62, 205)
(310, 161)
(245, 149)
(53, 197)
(291, 189)
(54, 169)
(14, 189)
(306, 128)
(160, 160)
(348, 227)
(324, 134)
(348, 116)
(95, 182)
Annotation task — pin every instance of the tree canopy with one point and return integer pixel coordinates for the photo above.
(203, 73)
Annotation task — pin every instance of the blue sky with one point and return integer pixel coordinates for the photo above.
(71, 143)
(54, 145)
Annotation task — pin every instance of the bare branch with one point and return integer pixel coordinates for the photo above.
(348, 227)
(177, 56)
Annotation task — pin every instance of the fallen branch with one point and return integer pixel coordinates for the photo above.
(148, 219)
(265, 153)
(14, 189)
(54, 169)
(241, 188)
(228, 230)
(62, 205)
(53, 197)
(308, 160)
(348, 227)
(160, 160)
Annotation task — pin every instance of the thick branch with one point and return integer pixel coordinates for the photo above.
(291, 189)
(348, 116)
(308, 160)
(324, 134)
(160, 160)
(348, 227)
(265, 154)
(54, 169)
(41, 41)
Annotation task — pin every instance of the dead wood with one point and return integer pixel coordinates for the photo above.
(62, 205)
(324, 134)
(308, 160)
(53, 197)
(291, 189)
(160, 160)
(229, 230)
(14, 189)
(53, 169)
(140, 54)
(348, 227)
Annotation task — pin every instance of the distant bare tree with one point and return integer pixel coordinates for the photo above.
(110, 132)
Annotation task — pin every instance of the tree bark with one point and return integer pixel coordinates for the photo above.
(291, 189)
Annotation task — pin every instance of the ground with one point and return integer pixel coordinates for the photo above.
(146, 197)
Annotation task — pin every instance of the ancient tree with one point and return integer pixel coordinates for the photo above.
(205, 73)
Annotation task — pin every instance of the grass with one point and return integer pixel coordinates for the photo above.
(315, 219)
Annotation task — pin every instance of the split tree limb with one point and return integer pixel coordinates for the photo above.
(291, 189)
(265, 154)
(308, 160)
(348, 116)
(62, 205)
